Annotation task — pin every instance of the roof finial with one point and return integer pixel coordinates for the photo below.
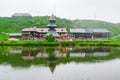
(52, 17)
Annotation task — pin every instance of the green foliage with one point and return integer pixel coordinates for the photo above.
(3, 36)
(90, 43)
(28, 43)
(68, 43)
(116, 38)
(10, 25)
(50, 38)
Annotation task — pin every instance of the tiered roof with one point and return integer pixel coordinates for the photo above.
(52, 22)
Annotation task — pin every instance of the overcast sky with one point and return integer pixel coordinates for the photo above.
(106, 10)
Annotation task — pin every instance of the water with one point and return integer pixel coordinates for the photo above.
(46, 63)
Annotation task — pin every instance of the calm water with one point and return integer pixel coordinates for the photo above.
(46, 63)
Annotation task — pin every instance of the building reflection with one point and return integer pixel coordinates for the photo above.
(92, 51)
(52, 56)
(32, 53)
(59, 52)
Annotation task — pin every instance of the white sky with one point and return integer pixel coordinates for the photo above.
(106, 10)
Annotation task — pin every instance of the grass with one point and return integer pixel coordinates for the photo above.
(28, 43)
(3, 37)
(63, 44)
(91, 43)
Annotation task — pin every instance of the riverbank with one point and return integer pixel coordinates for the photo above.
(28, 43)
(63, 44)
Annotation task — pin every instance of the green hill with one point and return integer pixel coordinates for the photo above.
(9, 25)
(17, 24)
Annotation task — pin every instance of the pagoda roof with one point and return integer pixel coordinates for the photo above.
(52, 25)
(54, 33)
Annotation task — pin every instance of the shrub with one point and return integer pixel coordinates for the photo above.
(50, 38)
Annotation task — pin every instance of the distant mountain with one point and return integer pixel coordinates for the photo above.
(10, 25)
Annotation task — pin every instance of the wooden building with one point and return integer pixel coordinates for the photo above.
(89, 33)
(21, 15)
(15, 35)
(60, 34)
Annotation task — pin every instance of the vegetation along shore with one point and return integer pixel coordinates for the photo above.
(63, 43)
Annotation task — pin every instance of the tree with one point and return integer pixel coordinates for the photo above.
(50, 38)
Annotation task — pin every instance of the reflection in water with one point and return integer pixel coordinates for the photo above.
(52, 57)
(47, 55)
(92, 51)
(48, 52)
(60, 52)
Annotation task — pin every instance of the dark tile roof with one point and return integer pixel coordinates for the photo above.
(54, 33)
(15, 34)
(77, 30)
(52, 25)
(59, 30)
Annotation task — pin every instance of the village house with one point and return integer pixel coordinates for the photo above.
(60, 34)
(21, 15)
(15, 35)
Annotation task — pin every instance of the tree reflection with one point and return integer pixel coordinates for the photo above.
(51, 59)
(50, 51)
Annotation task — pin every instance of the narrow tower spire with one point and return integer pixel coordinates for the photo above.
(52, 22)
(52, 18)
